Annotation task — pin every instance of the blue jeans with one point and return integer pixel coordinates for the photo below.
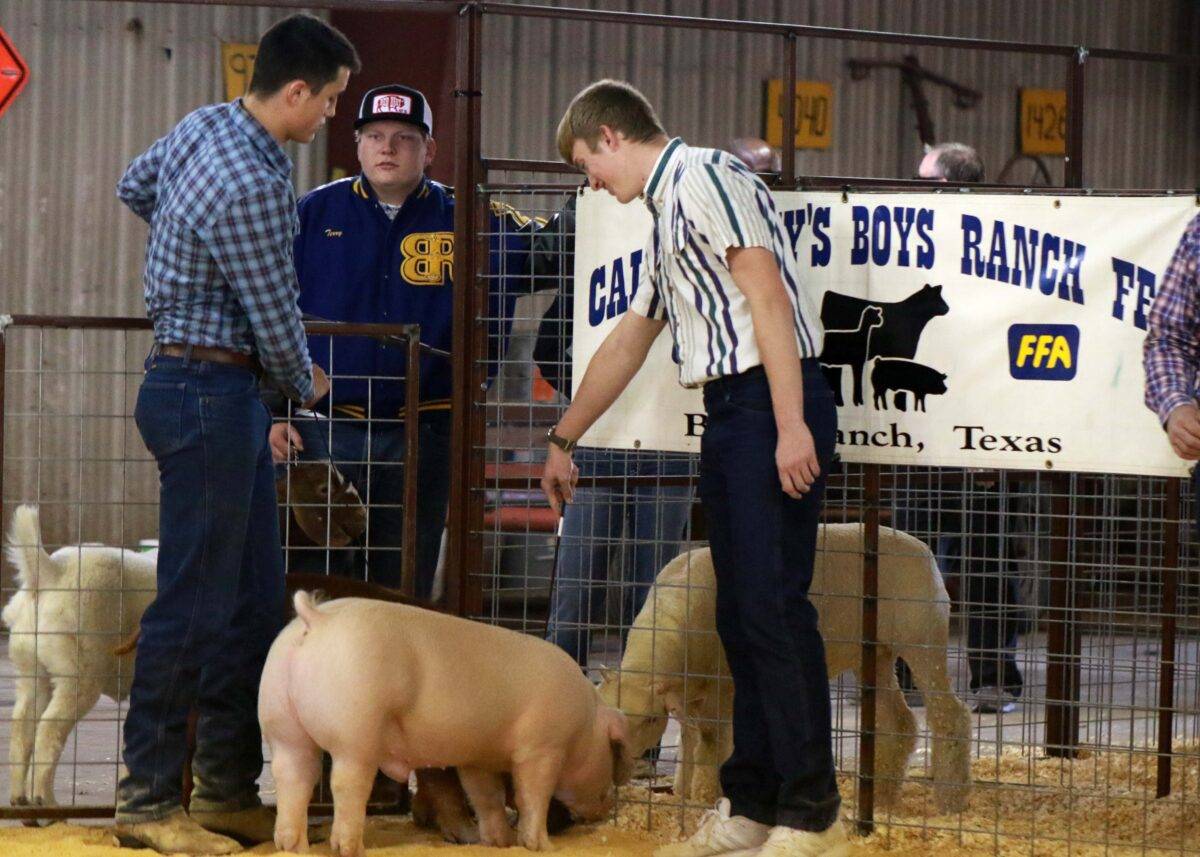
(653, 518)
(763, 547)
(220, 599)
(371, 455)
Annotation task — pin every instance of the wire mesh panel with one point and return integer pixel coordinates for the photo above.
(80, 506)
(1034, 687)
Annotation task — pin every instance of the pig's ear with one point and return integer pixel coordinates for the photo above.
(618, 741)
(607, 675)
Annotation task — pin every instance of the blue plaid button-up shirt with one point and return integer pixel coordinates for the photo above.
(217, 193)
(1171, 353)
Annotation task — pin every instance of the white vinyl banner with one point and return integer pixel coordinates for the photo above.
(978, 330)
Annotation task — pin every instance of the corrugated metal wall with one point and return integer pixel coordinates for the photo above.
(101, 90)
(1142, 120)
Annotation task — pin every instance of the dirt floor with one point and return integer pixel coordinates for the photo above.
(386, 837)
(1022, 804)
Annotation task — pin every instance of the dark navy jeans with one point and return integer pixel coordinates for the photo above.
(220, 599)
(370, 453)
(763, 547)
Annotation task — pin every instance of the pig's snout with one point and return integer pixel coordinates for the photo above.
(595, 807)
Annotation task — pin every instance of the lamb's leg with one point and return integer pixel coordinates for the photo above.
(706, 766)
(32, 697)
(895, 728)
(950, 723)
(689, 737)
(72, 698)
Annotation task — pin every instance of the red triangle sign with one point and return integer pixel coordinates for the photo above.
(14, 74)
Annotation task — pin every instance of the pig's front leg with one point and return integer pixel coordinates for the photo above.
(534, 780)
(486, 791)
(296, 767)
(351, 781)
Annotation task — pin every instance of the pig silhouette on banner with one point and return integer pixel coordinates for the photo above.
(859, 331)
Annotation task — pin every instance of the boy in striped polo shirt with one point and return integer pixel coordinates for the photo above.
(720, 273)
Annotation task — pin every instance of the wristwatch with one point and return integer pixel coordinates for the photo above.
(558, 440)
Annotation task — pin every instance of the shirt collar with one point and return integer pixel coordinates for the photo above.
(365, 190)
(274, 153)
(656, 185)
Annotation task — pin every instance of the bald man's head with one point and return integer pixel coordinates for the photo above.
(755, 153)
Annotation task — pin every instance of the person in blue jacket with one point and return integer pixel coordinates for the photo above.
(379, 247)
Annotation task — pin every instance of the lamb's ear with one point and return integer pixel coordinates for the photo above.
(128, 644)
(679, 695)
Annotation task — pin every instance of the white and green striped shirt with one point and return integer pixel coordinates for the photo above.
(703, 202)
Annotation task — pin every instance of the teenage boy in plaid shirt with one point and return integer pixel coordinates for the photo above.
(220, 288)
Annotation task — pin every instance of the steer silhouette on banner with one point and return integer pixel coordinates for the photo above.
(858, 331)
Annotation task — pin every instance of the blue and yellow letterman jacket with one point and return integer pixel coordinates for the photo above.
(356, 265)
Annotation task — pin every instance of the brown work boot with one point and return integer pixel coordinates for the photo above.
(248, 826)
(175, 834)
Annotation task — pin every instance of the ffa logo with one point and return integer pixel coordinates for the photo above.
(1043, 352)
(428, 258)
(391, 104)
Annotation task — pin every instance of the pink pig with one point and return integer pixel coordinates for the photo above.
(392, 687)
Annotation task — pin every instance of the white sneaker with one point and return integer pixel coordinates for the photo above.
(790, 842)
(719, 833)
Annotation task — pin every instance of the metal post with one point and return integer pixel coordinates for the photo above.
(1166, 656)
(412, 432)
(4, 322)
(467, 174)
(870, 621)
(1062, 655)
(787, 104)
(1073, 176)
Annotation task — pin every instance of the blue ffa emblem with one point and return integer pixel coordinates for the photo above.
(1043, 352)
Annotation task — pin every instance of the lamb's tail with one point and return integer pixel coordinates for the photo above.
(34, 567)
(306, 609)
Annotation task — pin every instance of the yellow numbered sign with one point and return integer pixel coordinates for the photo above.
(237, 60)
(1043, 121)
(813, 112)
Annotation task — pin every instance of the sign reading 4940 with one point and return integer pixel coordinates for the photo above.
(812, 111)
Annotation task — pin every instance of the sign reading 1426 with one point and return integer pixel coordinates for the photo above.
(1043, 121)
(14, 74)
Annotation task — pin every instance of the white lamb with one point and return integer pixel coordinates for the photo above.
(67, 620)
(674, 664)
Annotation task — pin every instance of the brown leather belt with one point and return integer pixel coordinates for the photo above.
(211, 355)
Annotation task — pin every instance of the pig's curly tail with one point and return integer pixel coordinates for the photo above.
(306, 609)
